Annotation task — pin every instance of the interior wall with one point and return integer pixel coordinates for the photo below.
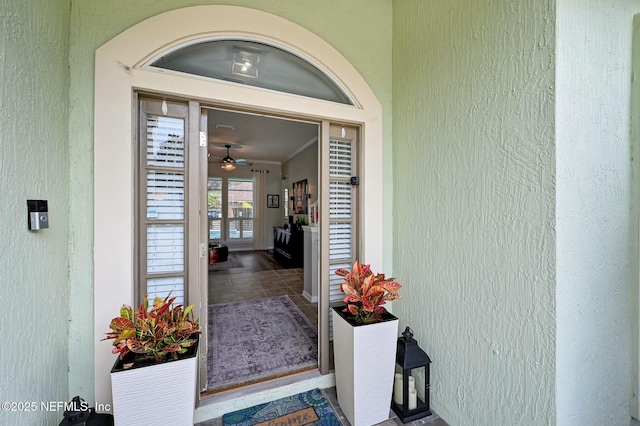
(596, 305)
(474, 240)
(303, 165)
(34, 164)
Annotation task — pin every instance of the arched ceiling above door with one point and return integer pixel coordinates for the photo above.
(253, 64)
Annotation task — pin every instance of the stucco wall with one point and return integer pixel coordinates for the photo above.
(594, 316)
(474, 245)
(34, 164)
(359, 29)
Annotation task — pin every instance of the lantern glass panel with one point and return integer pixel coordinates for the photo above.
(411, 387)
(411, 393)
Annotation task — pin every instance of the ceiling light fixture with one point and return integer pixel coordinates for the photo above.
(228, 164)
(245, 62)
(227, 167)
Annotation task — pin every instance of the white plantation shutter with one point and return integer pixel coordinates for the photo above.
(165, 195)
(165, 249)
(165, 141)
(341, 216)
(160, 287)
(341, 158)
(240, 208)
(163, 186)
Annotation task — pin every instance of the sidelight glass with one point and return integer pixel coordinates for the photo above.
(163, 189)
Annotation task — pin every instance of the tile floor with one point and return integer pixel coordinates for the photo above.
(260, 277)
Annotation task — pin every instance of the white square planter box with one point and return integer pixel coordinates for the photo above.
(365, 357)
(156, 394)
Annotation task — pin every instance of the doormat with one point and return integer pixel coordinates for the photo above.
(258, 339)
(307, 408)
(233, 261)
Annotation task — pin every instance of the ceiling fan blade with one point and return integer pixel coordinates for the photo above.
(229, 159)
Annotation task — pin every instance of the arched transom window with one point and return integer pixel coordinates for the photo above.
(253, 64)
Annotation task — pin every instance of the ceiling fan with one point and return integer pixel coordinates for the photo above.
(228, 164)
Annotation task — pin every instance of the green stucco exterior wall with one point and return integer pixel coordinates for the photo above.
(508, 207)
(596, 222)
(34, 164)
(359, 29)
(474, 239)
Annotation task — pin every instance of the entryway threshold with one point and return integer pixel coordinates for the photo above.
(218, 404)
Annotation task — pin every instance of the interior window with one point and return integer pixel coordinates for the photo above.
(214, 203)
(240, 208)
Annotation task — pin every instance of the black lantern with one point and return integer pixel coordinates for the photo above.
(409, 357)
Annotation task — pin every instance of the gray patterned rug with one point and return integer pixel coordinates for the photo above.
(258, 339)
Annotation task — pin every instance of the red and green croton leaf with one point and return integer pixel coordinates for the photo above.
(365, 292)
(352, 295)
(157, 333)
(119, 324)
(126, 312)
(353, 309)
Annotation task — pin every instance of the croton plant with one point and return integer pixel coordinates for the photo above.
(155, 334)
(366, 292)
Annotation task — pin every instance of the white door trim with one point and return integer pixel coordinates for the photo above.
(118, 74)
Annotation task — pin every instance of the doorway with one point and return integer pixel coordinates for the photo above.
(119, 71)
(267, 153)
(190, 199)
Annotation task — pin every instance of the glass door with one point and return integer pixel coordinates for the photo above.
(338, 223)
(240, 209)
(162, 218)
(171, 243)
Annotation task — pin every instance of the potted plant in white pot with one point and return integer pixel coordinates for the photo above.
(153, 381)
(364, 345)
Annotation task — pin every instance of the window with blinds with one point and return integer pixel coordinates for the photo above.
(240, 209)
(341, 213)
(342, 216)
(163, 186)
(214, 202)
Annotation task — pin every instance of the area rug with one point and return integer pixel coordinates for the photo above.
(233, 261)
(308, 408)
(258, 339)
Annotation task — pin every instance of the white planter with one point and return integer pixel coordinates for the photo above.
(161, 394)
(365, 357)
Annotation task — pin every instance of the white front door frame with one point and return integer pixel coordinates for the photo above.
(118, 74)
